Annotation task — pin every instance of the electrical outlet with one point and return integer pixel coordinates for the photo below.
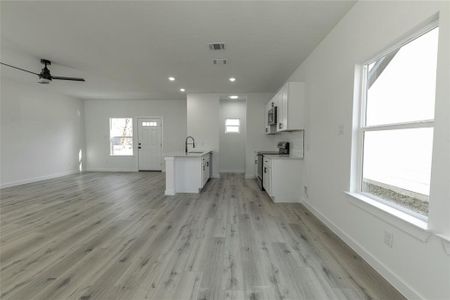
(388, 239)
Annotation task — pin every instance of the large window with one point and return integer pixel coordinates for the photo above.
(396, 124)
(121, 136)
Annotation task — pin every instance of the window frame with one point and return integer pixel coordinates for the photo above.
(235, 126)
(132, 138)
(362, 81)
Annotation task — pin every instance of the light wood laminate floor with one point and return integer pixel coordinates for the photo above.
(116, 236)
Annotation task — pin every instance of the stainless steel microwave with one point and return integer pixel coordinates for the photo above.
(272, 116)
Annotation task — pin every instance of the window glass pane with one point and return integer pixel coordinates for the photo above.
(150, 124)
(232, 129)
(397, 166)
(232, 122)
(121, 136)
(404, 90)
(121, 146)
(121, 127)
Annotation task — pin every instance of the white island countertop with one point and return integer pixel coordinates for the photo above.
(194, 153)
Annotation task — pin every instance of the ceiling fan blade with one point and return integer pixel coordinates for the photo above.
(20, 69)
(67, 78)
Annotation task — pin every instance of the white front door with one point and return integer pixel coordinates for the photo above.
(150, 144)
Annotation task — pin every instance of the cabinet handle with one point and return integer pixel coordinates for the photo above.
(207, 163)
(280, 126)
(265, 170)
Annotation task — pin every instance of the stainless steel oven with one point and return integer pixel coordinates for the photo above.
(259, 169)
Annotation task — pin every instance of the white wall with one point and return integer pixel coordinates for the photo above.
(232, 145)
(203, 124)
(417, 264)
(98, 112)
(41, 133)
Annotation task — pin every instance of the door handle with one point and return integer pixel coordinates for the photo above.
(139, 147)
(265, 170)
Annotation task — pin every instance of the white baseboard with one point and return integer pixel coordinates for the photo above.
(39, 178)
(111, 170)
(169, 192)
(380, 267)
(232, 171)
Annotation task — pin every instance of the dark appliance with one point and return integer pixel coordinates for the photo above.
(272, 116)
(283, 148)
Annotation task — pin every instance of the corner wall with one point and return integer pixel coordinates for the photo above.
(42, 133)
(418, 264)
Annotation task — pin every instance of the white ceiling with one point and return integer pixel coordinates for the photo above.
(127, 49)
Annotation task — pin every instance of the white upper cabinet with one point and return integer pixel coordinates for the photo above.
(290, 102)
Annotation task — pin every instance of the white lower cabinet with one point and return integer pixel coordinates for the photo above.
(282, 179)
(187, 173)
(267, 174)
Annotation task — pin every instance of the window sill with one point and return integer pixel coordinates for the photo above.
(413, 226)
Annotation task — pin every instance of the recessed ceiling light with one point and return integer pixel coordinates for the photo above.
(182, 90)
(234, 97)
(232, 79)
(171, 78)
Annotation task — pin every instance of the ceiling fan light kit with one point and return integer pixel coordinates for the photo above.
(45, 77)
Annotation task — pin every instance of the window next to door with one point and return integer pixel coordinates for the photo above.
(121, 136)
(396, 121)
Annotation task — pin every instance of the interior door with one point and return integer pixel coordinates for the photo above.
(150, 144)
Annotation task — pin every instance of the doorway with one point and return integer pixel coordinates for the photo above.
(232, 136)
(149, 144)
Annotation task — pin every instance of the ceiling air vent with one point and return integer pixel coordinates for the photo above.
(216, 46)
(220, 61)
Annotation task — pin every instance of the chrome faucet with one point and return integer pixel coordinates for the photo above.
(186, 143)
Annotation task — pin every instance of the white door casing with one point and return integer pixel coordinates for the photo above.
(149, 144)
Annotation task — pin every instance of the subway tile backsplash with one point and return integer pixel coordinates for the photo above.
(295, 139)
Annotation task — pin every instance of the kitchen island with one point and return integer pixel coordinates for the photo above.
(187, 172)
